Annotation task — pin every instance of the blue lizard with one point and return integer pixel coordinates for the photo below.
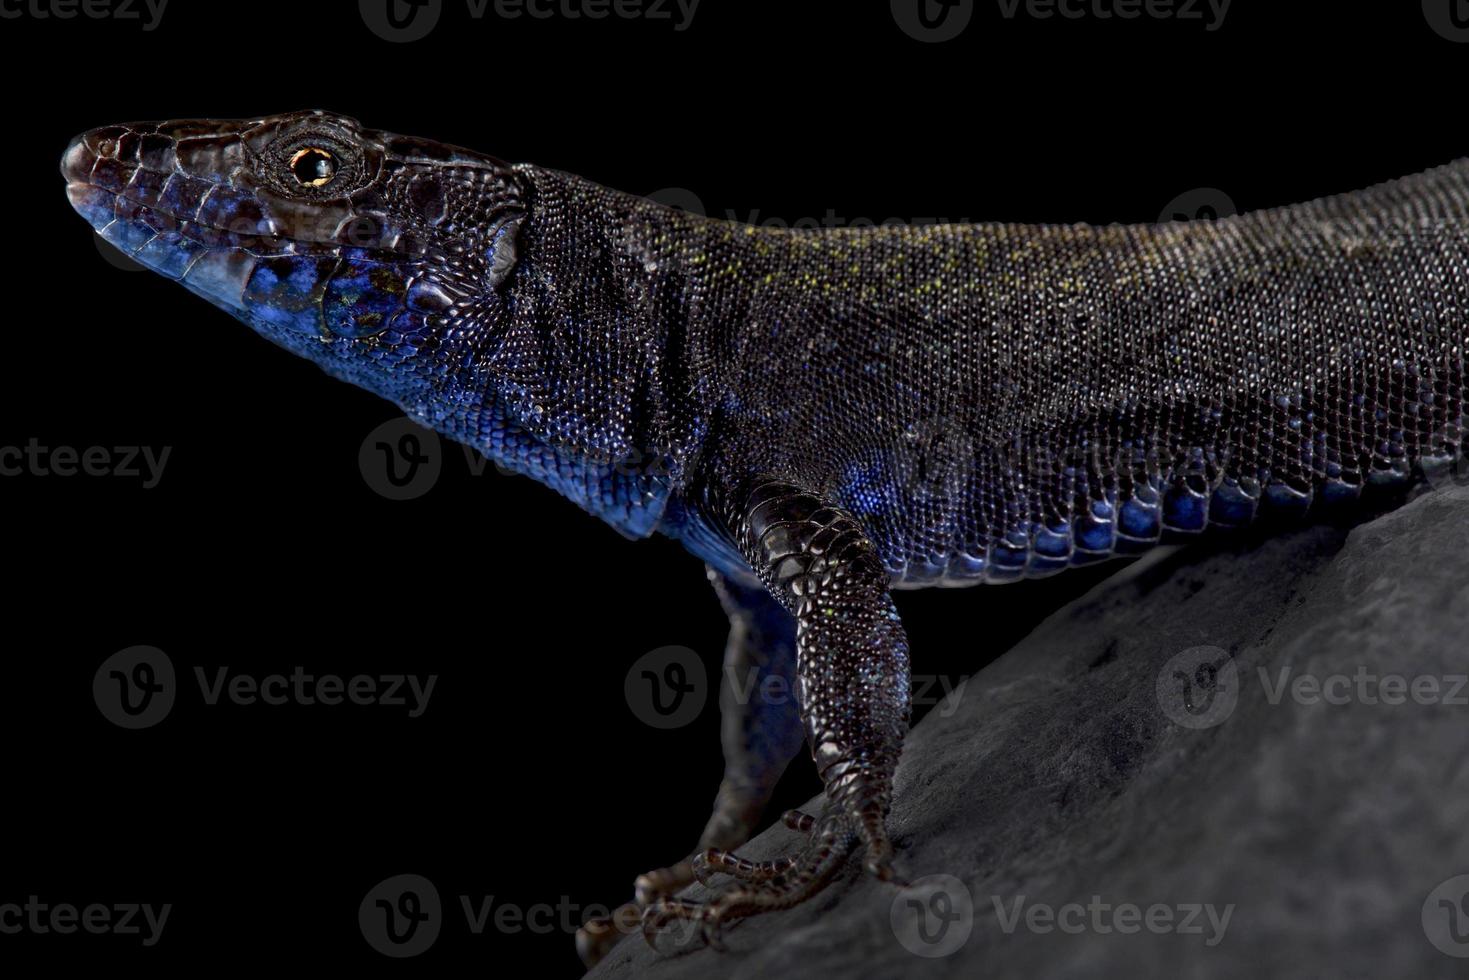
(823, 415)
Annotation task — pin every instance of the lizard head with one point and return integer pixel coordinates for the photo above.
(509, 307)
(378, 256)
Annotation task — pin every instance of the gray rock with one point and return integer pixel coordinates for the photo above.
(1080, 765)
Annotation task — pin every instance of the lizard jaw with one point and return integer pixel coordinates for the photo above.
(158, 215)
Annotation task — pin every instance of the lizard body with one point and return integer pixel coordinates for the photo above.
(823, 415)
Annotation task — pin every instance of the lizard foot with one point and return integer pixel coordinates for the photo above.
(770, 885)
(759, 735)
(597, 937)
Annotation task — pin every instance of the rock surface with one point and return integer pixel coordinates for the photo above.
(1093, 765)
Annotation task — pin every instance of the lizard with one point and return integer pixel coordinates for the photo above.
(823, 415)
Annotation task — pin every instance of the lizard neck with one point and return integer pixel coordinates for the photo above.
(605, 367)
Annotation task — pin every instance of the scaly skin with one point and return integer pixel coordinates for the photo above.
(824, 415)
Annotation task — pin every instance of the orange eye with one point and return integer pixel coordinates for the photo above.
(313, 167)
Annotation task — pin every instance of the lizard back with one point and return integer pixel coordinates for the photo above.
(1005, 401)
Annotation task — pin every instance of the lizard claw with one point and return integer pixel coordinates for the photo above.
(770, 885)
(597, 936)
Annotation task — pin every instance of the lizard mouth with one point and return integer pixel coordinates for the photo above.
(211, 205)
(126, 182)
(169, 197)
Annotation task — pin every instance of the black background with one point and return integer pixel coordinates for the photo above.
(262, 548)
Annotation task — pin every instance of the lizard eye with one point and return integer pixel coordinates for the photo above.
(313, 166)
(315, 162)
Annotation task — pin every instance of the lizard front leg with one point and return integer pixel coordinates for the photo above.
(852, 685)
(761, 733)
(760, 725)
